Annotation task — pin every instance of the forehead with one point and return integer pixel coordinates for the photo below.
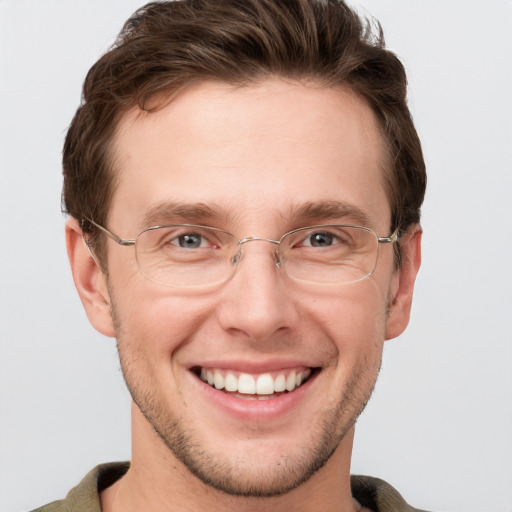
(254, 152)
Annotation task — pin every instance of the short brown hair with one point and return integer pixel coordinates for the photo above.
(167, 46)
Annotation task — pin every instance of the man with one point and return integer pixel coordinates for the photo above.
(244, 185)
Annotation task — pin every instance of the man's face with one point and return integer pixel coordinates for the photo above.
(255, 156)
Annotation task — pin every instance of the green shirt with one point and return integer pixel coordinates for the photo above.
(372, 493)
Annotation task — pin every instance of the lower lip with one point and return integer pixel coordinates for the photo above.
(255, 409)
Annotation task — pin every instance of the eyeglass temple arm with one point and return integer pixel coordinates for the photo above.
(396, 235)
(120, 241)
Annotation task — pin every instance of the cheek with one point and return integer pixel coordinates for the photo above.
(354, 314)
(154, 323)
(354, 322)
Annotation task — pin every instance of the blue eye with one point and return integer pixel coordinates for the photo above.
(190, 241)
(321, 239)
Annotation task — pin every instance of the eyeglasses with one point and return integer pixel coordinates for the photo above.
(188, 256)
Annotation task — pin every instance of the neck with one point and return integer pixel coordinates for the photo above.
(157, 481)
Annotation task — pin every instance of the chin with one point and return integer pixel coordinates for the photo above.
(256, 468)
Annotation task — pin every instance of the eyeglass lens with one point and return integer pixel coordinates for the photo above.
(192, 256)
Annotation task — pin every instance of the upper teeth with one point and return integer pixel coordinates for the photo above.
(247, 384)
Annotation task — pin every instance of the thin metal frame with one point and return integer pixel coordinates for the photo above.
(394, 237)
(127, 242)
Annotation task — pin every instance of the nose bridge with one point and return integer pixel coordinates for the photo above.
(255, 301)
(244, 241)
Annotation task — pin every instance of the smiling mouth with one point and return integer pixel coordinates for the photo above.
(248, 386)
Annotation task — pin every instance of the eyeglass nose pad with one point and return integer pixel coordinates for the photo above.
(277, 258)
(237, 257)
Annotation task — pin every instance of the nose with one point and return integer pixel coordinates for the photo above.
(256, 302)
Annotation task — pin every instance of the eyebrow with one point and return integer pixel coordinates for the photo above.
(314, 211)
(173, 211)
(321, 211)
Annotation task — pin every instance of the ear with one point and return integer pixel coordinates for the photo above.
(90, 281)
(402, 287)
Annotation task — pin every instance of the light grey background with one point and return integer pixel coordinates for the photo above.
(439, 426)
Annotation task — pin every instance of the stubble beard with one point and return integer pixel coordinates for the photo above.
(242, 478)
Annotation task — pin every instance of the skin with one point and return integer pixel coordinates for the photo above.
(254, 154)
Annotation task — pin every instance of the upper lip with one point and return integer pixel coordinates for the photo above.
(255, 367)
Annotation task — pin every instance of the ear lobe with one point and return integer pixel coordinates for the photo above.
(400, 299)
(89, 280)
